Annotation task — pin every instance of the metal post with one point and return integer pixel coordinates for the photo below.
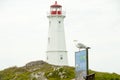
(87, 63)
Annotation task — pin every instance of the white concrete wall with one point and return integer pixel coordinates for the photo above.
(56, 36)
(56, 41)
(57, 58)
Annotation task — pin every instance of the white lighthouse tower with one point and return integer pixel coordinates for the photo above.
(56, 49)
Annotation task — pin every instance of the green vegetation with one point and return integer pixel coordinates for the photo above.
(38, 70)
(105, 76)
(14, 73)
(61, 73)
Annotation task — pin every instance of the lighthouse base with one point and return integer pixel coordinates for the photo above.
(57, 57)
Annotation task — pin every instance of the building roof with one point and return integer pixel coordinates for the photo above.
(55, 5)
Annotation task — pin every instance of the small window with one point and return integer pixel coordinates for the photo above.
(61, 57)
(47, 57)
(49, 22)
(59, 22)
(48, 39)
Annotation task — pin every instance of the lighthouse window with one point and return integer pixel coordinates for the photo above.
(59, 21)
(48, 39)
(61, 57)
(49, 22)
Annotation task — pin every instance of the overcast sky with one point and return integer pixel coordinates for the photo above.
(95, 23)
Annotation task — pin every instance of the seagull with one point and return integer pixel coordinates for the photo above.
(79, 45)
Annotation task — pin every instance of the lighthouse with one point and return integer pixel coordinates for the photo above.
(56, 48)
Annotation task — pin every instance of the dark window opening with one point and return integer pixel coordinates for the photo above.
(61, 57)
(48, 39)
(59, 22)
(49, 22)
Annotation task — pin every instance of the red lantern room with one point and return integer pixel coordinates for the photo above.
(55, 9)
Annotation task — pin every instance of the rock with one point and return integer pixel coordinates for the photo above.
(35, 63)
(38, 76)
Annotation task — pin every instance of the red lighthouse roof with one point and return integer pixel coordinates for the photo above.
(55, 5)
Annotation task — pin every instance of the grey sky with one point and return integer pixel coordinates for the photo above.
(95, 23)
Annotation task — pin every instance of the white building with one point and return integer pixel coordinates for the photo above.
(56, 49)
